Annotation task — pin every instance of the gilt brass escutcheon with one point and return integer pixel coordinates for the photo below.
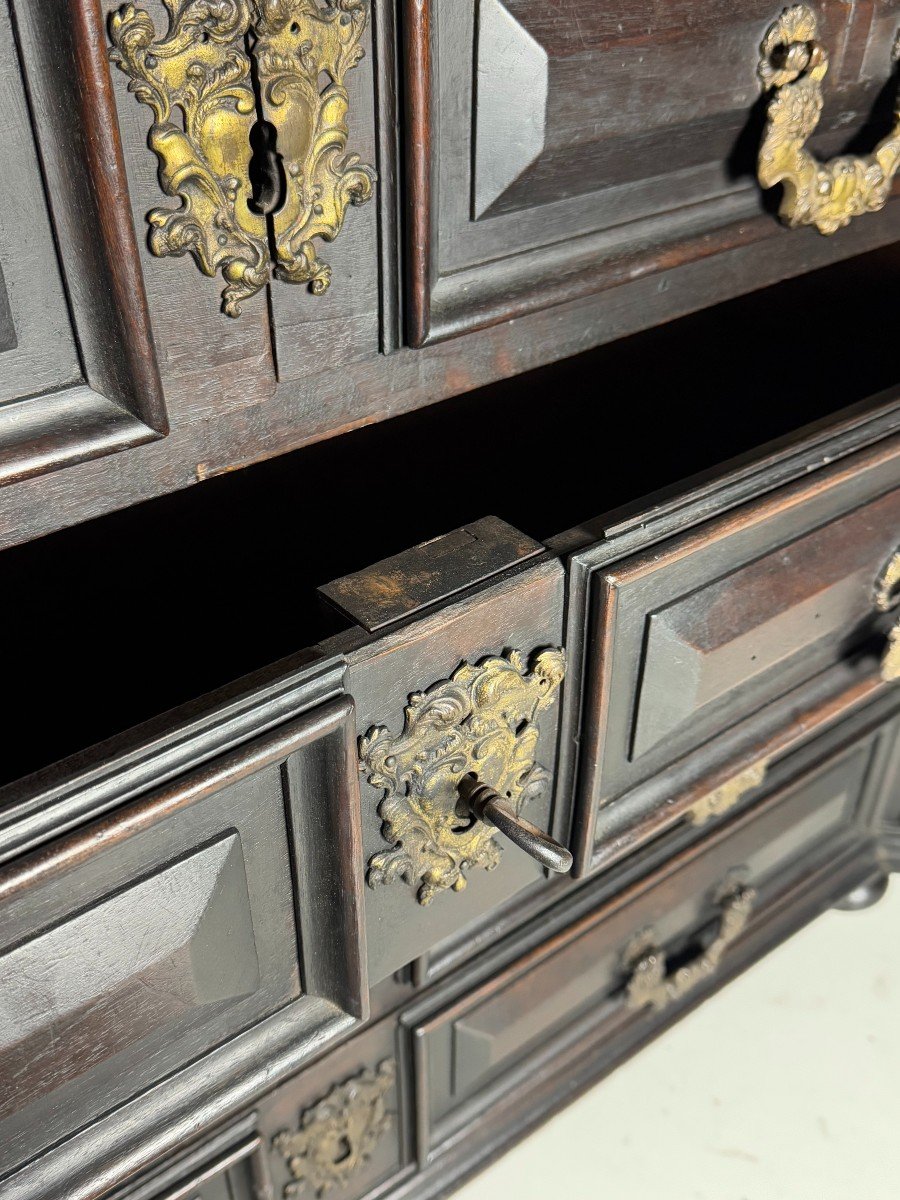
(482, 721)
(829, 195)
(337, 1136)
(229, 73)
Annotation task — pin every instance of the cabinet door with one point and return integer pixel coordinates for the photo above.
(557, 150)
(78, 373)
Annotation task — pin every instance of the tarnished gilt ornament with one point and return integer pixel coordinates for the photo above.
(482, 721)
(828, 195)
(723, 798)
(890, 660)
(338, 1135)
(887, 587)
(649, 982)
(887, 597)
(221, 68)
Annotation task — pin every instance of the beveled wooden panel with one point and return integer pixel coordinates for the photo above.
(705, 631)
(582, 144)
(154, 935)
(78, 355)
(804, 599)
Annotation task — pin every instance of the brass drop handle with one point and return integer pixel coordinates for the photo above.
(887, 598)
(649, 981)
(485, 804)
(792, 66)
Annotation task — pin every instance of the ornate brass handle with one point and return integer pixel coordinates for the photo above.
(827, 195)
(649, 982)
(887, 597)
(481, 722)
(485, 804)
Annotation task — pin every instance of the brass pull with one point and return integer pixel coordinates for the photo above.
(487, 805)
(649, 982)
(724, 798)
(226, 76)
(887, 598)
(827, 195)
(482, 721)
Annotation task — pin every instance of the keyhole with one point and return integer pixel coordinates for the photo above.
(266, 171)
(342, 1151)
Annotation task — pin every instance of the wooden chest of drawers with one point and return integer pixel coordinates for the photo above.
(361, 806)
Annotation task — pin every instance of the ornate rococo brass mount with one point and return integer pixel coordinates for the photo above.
(649, 981)
(231, 77)
(828, 195)
(338, 1135)
(480, 722)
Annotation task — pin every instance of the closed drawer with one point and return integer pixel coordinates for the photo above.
(588, 993)
(563, 150)
(337, 1129)
(701, 634)
(141, 943)
(228, 1166)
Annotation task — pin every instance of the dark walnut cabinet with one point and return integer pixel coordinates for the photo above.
(449, 557)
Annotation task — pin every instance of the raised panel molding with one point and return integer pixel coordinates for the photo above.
(510, 103)
(146, 955)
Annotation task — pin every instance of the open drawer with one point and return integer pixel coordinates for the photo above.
(590, 992)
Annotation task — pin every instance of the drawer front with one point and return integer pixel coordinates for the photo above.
(139, 944)
(336, 1130)
(695, 636)
(583, 145)
(473, 691)
(227, 1167)
(610, 968)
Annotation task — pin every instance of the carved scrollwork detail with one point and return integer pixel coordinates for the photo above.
(338, 1135)
(829, 195)
(482, 720)
(200, 80)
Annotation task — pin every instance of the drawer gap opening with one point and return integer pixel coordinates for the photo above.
(120, 619)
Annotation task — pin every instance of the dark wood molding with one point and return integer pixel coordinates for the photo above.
(420, 194)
